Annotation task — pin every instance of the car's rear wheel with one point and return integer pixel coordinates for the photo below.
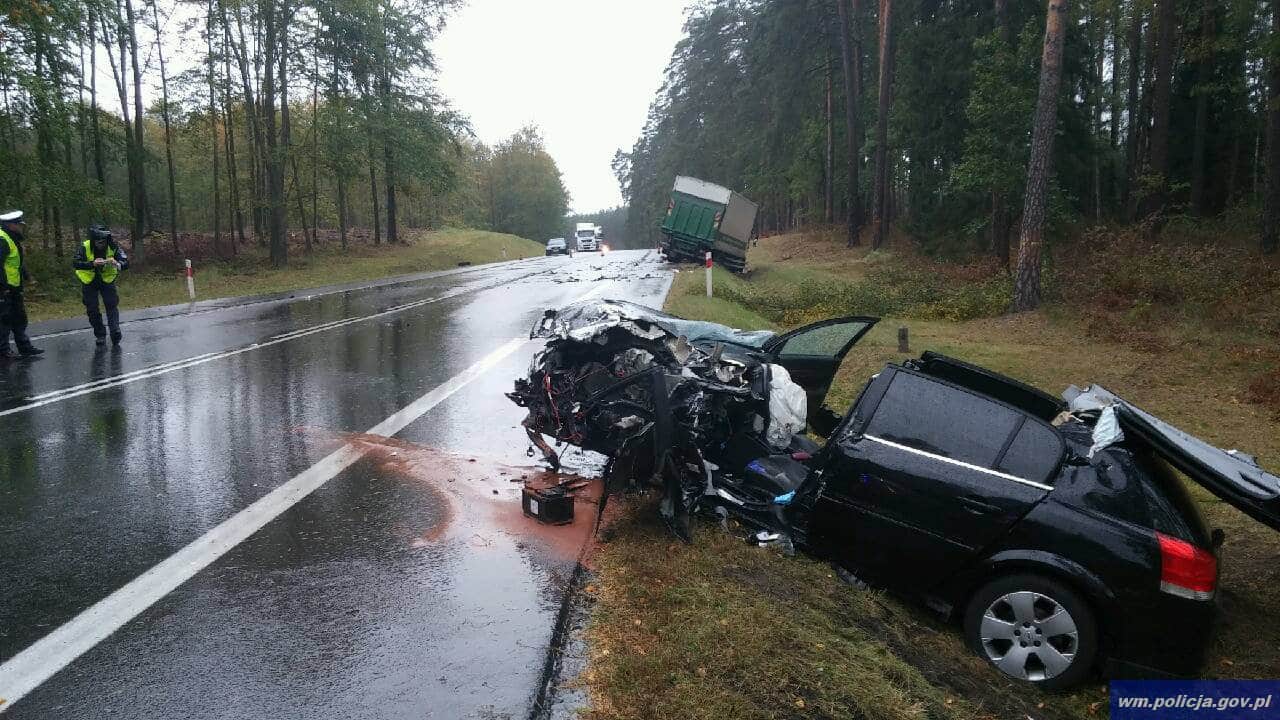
(1034, 629)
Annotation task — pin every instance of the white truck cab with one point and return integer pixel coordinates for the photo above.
(588, 237)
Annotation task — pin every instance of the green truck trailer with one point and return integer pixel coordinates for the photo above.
(703, 216)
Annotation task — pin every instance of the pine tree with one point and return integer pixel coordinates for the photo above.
(1026, 290)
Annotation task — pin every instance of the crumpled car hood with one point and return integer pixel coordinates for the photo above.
(588, 319)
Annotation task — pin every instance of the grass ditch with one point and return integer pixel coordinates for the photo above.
(720, 629)
(57, 293)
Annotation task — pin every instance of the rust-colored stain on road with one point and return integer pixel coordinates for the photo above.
(483, 495)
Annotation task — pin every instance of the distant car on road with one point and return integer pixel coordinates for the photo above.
(557, 246)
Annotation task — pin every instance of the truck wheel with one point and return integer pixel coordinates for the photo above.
(1034, 629)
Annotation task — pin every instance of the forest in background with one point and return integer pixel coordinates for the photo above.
(918, 115)
(266, 120)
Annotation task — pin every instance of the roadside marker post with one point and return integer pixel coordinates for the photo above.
(191, 281)
(708, 273)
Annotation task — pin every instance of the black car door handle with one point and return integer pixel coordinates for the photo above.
(977, 506)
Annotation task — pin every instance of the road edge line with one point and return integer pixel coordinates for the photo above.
(41, 660)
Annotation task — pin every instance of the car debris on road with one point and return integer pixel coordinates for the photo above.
(1057, 533)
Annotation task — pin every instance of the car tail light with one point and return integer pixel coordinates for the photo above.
(1186, 570)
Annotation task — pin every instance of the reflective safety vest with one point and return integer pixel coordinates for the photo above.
(109, 272)
(12, 262)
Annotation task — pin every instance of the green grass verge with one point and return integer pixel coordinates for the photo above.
(720, 629)
(58, 295)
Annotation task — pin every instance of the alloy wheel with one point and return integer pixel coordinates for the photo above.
(1029, 635)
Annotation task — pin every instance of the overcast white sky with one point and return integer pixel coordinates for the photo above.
(582, 70)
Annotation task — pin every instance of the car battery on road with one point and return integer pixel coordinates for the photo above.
(552, 505)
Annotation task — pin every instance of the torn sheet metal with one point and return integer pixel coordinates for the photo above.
(1232, 475)
(669, 400)
(590, 318)
(1096, 400)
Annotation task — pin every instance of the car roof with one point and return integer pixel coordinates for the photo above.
(992, 384)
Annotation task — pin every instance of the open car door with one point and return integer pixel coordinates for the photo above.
(812, 354)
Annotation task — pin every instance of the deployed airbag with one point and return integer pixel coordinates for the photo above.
(788, 408)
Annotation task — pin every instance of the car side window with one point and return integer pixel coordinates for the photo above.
(822, 341)
(1033, 454)
(936, 418)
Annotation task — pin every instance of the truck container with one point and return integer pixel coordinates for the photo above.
(703, 216)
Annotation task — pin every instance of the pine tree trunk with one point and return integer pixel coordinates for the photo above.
(1000, 229)
(273, 47)
(213, 142)
(77, 209)
(308, 235)
(1271, 203)
(40, 120)
(81, 113)
(881, 191)
(1158, 167)
(853, 138)
(140, 207)
(388, 155)
(339, 174)
(315, 136)
(1204, 76)
(118, 75)
(373, 188)
(93, 98)
(1117, 167)
(389, 176)
(1026, 289)
(342, 209)
(999, 205)
(233, 173)
(168, 132)
(1133, 70)
(829, 155)
(257, 154)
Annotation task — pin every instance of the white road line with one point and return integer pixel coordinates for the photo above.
(40, 661)
(165, 368)
(300, 296)
(44, 658)
(114, 378)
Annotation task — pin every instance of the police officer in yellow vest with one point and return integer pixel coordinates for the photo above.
(13, 311)
(98, 263)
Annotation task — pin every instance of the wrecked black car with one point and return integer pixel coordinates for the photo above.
(1055, 531)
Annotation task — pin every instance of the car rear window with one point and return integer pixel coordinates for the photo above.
(939, 419)
(1033, 454)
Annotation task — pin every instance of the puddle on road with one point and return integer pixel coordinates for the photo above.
(483, 494)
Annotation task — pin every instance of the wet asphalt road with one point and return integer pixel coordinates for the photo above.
(406, 586)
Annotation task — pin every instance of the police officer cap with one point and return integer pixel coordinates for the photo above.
(99, 232)
(13, 216)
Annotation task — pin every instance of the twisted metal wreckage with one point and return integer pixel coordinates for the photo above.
(944, 481)
(682, 405)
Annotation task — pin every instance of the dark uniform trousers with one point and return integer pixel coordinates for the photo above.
(110, 301)
(13, 317)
